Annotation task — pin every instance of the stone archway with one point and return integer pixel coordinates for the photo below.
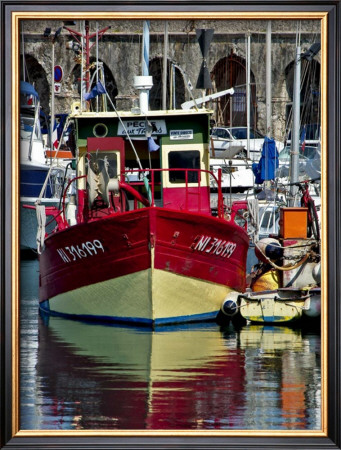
(110, 83)
(310, 91)
(36, 75)
(175, 85)
(231, 111)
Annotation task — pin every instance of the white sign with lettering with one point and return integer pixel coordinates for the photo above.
(180, 134)
(137, 127)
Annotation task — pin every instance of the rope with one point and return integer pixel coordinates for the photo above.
(284, 268)
(67, 121)
(253, 209)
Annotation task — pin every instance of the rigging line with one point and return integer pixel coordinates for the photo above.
(67, 122)
(125, 129)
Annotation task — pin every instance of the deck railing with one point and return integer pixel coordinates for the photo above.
(150, 184)
(59, 214)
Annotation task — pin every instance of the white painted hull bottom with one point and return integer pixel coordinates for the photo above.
(281, 306)
(145, 298)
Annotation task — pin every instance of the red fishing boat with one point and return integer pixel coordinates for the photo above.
(137, 240)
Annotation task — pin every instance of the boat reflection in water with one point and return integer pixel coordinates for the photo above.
(282, 367)
(125, 378)
(190, 377)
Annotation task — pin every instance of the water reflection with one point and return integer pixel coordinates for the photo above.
(77, 375)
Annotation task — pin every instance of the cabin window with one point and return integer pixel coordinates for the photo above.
(189, 159)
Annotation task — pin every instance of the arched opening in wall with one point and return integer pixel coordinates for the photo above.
(34, 73)
(232, 110)
(310, 104)
(175, 93)
(104, 72)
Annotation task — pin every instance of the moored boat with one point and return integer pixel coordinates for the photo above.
(37, 181)
(145, 247)
(286, 285)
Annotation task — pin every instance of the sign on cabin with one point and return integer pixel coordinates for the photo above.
(137, 127)
(180, 134)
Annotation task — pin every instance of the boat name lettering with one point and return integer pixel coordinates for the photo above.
(215, 246)
(74, 252)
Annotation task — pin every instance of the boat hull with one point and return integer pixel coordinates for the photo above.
(281, 306)
(29, 223)
(150, 266)
(32, 179)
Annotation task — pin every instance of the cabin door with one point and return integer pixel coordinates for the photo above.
(185, 186)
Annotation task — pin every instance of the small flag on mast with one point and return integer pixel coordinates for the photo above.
(152, 145)
(97, 90)
(55, 138)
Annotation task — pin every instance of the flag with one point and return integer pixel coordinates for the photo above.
(152, 145)
(97, 90)
(55, 138)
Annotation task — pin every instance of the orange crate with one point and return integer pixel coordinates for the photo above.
(293, 222)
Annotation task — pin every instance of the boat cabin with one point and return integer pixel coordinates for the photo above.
(126, 161)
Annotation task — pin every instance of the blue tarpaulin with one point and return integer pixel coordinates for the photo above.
(266, 167)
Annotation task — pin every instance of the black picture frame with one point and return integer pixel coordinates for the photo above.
(10, 438)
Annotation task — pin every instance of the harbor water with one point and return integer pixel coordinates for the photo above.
(84, 376)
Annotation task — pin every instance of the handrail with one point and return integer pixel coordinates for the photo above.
(134, 193)
(186, 170)
(137, 195)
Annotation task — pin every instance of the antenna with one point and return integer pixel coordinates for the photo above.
(204, 38)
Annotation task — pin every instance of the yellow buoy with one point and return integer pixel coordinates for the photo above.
(268, 281)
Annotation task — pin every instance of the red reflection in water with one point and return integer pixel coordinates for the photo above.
(140, 380)
(203, 397)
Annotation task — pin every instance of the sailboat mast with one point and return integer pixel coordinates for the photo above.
(248, 97)
(145, 49)
(294, 157)
(268, 81)
(164, 72)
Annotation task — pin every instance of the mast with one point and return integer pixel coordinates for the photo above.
(96, 63)
(52, 99)
(83, 38)
(294, 154)
(267, 183)
(145, 49)
(248, 99)
(144, 82)
(268, 85)
(164, 73)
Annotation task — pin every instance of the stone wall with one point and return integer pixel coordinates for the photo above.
(120, 51)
